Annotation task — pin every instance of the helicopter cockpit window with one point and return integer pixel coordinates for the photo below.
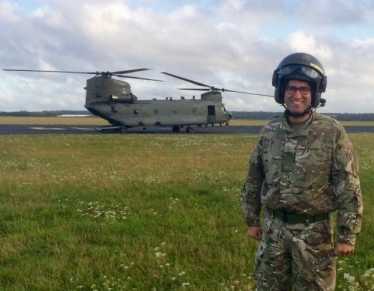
(223, 108)
(136, 112)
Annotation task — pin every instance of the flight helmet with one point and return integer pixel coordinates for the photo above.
(303, 67)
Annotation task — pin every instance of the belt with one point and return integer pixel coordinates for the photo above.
(298, 218)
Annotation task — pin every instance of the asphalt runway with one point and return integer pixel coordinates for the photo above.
(90, 129)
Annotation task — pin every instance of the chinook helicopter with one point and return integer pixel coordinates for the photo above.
(112, 100)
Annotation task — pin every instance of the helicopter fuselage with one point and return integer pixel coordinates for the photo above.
(113, 100)
(161, 113)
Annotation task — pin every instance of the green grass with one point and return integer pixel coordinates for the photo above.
(129, 212)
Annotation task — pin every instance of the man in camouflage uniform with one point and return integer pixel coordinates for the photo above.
(302, 169)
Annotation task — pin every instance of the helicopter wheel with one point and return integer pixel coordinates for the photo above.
(227, 123)
(189, 129)
(176, 128)
(124, 129)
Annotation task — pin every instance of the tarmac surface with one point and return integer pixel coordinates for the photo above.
(90, 129)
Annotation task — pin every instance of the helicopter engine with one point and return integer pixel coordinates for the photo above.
(129, 98)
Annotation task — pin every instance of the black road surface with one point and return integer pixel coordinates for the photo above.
(90, 129)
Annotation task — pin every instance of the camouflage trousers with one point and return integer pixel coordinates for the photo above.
(287, 252)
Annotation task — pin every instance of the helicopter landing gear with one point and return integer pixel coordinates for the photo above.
(176, 128)
(124, 129)
(189, 129)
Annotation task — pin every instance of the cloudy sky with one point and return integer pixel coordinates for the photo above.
(232, 44)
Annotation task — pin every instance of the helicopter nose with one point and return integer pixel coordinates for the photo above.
(230, 114)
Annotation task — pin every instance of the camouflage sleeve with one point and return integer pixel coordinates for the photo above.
(347, 189)
(251, 194)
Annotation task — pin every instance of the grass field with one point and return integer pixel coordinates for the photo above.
(100, 121)
(139, 212)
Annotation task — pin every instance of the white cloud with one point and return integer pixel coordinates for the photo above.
(232, 44)
(303, 41)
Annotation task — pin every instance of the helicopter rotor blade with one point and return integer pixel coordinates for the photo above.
(224, 90)
(97, 73)
(44, 71)
(194, 89)
(250, 93)
(129, 71)
(188, 80)
(140, 78)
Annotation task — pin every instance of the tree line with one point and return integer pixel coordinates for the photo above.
(262, 115)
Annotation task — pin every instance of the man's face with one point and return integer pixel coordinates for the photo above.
(297, 101)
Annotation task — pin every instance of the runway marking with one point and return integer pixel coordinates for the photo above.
(47, 128)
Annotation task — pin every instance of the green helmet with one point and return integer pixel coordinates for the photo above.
(303, 67)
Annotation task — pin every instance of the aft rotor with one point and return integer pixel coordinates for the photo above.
(210, 88)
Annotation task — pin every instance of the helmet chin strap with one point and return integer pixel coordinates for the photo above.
(297, 115)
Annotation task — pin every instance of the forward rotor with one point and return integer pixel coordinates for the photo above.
(97, 73)
(210, 88)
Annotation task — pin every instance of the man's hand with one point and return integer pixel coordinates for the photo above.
(255, 232)
(339, 251)
(342, 250)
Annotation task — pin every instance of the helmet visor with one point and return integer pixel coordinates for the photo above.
(300, 70)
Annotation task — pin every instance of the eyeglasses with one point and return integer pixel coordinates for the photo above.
(292, 90)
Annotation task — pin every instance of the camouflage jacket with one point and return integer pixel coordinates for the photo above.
(312, 170)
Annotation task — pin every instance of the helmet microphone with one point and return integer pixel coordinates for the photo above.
(322, 102)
